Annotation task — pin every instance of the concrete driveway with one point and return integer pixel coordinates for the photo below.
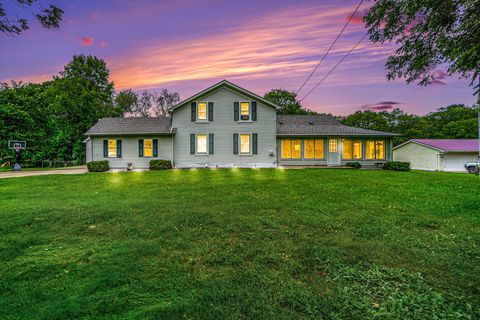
(29, 173)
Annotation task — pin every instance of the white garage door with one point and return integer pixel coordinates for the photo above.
(456, 162)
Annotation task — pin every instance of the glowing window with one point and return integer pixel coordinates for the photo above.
(319, 149)
(352, 149)
(332, 145)
(244, 111)
(296, 149)
(286, 149)
(244, 143)
(202, 111)
(148, 148)
(201, 143)
(112, 148)
(309, 149)
(375, 149)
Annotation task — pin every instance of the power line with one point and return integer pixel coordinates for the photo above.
(333, 69)
(331, 46)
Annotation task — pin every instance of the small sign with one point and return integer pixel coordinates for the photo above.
(17, 144)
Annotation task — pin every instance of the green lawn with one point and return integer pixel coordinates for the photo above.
(241, 244)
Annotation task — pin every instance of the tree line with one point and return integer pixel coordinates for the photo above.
(54, 115)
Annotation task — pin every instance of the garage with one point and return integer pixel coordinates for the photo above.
(438, 154)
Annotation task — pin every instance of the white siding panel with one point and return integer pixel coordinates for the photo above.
(420, 157)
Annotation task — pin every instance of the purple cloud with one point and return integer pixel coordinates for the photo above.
(381, 106)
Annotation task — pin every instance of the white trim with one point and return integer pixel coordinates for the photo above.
(419, 143)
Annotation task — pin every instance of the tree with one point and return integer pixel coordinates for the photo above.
(164, 101)
(287, 100)
(126, 100)
(144, 104)
(428, 34)
(49, 18)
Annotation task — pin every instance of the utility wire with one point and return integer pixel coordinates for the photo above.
(331, 46)
(333, 69)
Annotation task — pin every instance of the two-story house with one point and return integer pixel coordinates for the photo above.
(226, 126)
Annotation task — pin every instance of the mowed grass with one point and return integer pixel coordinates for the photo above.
(241, 244)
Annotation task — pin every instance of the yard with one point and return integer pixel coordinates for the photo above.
(241, 244)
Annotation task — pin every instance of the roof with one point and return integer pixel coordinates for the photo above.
(320, 125)
(232, 87)
(131, 126)
(447, 145)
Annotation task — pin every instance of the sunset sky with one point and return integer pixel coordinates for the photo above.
(188, 45)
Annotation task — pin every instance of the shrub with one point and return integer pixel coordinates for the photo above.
(98, 166)
(397, 166)
(355, 165)
(160, 164)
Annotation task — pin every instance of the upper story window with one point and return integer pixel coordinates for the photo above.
(245, 111)
(202, 111)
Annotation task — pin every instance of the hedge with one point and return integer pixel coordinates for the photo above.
(98, 166)
(355, 165)
(160, 164)
(397, 166)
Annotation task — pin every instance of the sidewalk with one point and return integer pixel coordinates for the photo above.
(30, 173)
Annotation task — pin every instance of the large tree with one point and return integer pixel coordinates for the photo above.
(287, 101)
(164, 101)
(429, 33)
(49, 17)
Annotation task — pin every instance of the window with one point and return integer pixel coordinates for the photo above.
(286, 149)
(202, 111)
(313, 149)
(375, 149)
(291, 149)
(201, 144)
(332, 145)
(244, 143)
(352, 149)
(112, 148)
(296, 150)
(148, 148)
(244, 111)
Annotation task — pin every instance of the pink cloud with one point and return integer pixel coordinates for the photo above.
(357, 17)
(381, 106)
(103, 44)
(94, 15)
(87, 41)
(438, 83)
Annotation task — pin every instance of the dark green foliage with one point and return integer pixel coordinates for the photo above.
(452, 122)
(240, 244)
(397, 166)
(49, 18)
(355, 165)
(160, 164)
(287, 100)
(98, 166)
(428, 34)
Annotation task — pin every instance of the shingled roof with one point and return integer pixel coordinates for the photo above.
(132, 126)
(321, 125)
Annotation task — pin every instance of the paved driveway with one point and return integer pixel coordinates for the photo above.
(29, 173)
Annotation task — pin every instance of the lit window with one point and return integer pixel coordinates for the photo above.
(286, 150)
(313, 149)
(202, 143)
(319, 149)
(244, 143)
(148, 148)
(202, 111)
(244, 111)
(112, 148)
(296, 150)
(352, 149)
(375, 149)
(332, 145)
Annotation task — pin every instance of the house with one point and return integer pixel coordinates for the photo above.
(437, 154)
(228, 126)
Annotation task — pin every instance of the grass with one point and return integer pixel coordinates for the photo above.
(241, 244)
(10, 169)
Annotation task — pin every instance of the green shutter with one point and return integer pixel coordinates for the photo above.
(155, 147)
(210, 111)
(194, 111)
(235, 143)
(119, 148)
(254, 143)
(254, 110)
(210, 143)
(105, 148)
(140, 148)
(192, 143)
(236, 107)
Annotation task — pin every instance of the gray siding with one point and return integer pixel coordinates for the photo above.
(88, 150)
(223, 127)
(130, 151)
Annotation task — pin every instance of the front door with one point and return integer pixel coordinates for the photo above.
(333, 157)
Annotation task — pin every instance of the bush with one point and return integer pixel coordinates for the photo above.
(355, 165)
(160, 164)
(98, 166)
(397, 166)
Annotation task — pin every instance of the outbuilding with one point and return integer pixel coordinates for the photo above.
(437, 154)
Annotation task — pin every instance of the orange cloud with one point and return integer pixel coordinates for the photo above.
(87, 41)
